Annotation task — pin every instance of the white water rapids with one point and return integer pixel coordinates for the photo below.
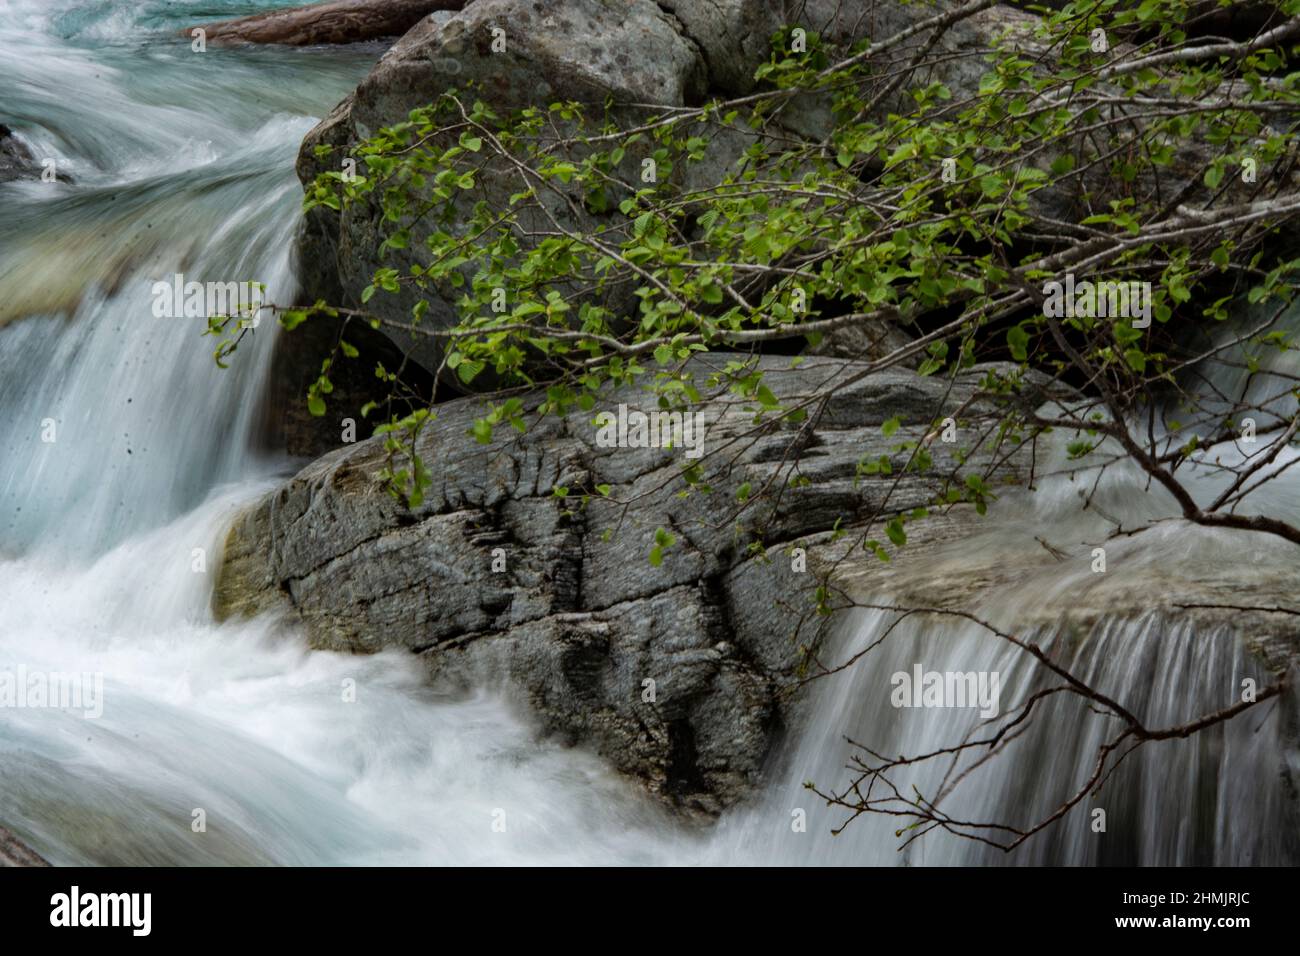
(182, 162)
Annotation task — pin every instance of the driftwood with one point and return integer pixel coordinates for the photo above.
(14, 852)
(337, 21)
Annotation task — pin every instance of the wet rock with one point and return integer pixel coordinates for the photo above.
(16, 160)
(674, 672)
(288, 425)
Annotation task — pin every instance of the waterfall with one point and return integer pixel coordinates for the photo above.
(183, 163)
(1226, 796)
(126, 452)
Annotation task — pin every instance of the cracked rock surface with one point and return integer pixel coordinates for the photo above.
(575, 619)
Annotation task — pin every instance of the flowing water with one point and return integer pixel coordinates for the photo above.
(124, 452)
(183, 163)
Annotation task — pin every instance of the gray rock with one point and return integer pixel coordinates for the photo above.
(959, 60)
(18, 162)
(867, 342)
(579, 619)
(734, 36)
(668, 52)
(287, 424)
(579, 49)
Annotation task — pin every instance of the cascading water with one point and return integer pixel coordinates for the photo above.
(126, 452)
(183, 163)
(1227, 796)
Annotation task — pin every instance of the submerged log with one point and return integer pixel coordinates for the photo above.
(337, 21)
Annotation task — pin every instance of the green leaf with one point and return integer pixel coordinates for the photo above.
(1018, 342)
(468, 370)
(894, 529)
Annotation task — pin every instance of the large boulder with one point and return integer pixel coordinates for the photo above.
(668, 53)
(518, 52)
(680, 672)
(496, 579)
